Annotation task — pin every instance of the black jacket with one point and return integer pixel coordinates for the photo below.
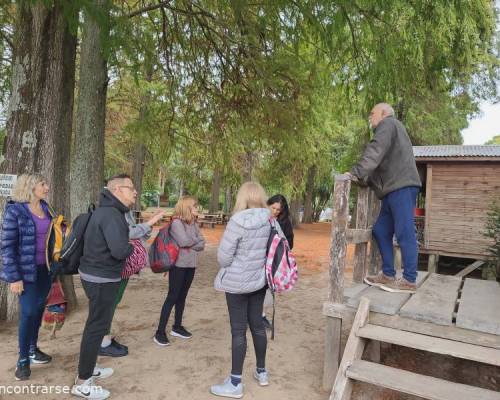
(286, 227)
(388, 163)
(106, 244)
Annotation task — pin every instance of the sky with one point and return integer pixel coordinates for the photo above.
(485, 126)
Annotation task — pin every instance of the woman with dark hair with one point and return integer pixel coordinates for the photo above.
(280, 210)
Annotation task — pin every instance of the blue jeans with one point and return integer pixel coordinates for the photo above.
(32, 303)
(397, 217)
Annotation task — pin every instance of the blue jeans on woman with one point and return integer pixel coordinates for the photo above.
(397, 218)
(32, 303)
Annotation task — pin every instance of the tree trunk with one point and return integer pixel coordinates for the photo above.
(295, 205)
(41, 107)
(182, 190)
(140, 149)
(248, 167)
(214, 198)
(228, 199)
(87, 167)
(139, 158)
(308, 203)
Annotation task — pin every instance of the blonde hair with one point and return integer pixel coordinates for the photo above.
(183, 208)
(24, 189)
(250, 195)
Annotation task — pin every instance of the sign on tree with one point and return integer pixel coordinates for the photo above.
(7, 183)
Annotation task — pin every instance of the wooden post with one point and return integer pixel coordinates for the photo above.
(432, 265)
(398, 259)
(338, 248)
(374, 258)
(361, 223)
(338, 251)
(428, 205)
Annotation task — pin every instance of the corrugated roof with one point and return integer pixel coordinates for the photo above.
(457, 151)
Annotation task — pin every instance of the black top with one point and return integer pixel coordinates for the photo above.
(286, 227)
(106, 244)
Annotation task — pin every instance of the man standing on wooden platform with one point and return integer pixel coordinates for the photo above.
(388, 167)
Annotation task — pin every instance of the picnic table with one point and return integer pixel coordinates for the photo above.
(145, 215)
(211, 219)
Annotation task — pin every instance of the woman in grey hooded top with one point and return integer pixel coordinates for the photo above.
(241, 256)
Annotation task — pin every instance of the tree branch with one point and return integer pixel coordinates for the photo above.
(148, 8)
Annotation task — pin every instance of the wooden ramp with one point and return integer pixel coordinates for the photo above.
(352, 368)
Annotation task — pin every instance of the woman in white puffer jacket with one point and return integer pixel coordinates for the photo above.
(241, 256)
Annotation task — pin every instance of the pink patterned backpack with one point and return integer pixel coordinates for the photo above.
(281, 267)
(136, 261)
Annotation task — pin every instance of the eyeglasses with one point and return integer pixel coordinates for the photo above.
(131, 188)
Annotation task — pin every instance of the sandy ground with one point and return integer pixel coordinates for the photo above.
(186, 369)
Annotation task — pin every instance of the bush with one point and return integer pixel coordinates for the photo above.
(493, 232)
(149, 198)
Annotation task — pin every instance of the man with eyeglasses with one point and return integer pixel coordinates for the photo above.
(388, 167)
(106, 247)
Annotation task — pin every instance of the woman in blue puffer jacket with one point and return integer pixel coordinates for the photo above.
(26, 224)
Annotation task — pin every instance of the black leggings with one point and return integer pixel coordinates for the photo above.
(246, 309)
(179, 282)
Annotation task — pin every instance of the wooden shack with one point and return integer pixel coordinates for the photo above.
(459, 185)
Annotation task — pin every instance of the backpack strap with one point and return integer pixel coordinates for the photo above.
(274, 312)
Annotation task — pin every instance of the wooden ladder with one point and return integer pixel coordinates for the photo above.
(353, 368)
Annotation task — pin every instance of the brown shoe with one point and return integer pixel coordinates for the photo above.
(400, 285)
(379, 279)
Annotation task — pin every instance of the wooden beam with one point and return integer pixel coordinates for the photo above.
(422, 386)
(406, 324)
(470, 268)
(354, 348)
(445, 251)
(356, 236)
(442, 331)
(418, 341)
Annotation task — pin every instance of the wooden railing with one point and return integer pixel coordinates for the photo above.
(366, 259)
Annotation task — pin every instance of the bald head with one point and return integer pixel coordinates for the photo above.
(379, 112)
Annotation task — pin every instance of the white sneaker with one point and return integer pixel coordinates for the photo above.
(88, 390)
(262, 377)
(227, 389)
(102, 373)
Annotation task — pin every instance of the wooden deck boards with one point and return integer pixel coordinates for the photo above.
(380, 300)
(479, 306)
(435, 301)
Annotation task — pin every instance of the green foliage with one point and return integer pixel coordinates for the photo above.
(494, 140)
(278, 87)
